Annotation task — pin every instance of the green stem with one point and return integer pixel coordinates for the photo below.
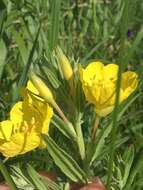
(118, 84)
(96, 124)
(7, 176)
(80, 139)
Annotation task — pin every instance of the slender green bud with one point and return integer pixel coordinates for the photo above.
(43, 89)
(47, 95)
(64, 64)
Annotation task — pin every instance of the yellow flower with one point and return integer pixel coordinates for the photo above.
(28, 119)
(99, 85)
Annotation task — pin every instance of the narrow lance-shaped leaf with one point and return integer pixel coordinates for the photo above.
(3, 53)
(68, 131)
(23, 78)
(51, 76)
(3, 14)
(7, 176)
(64, 161)
(21, 46)
(35, 178)
(54, 29)
(138, 164)
(129, 158)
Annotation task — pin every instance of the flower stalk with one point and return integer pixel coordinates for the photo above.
(80, 138)
(95, 126)
(60, 112)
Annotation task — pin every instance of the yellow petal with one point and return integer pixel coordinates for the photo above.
(107, 93)
(31, 113)
(31, 92)
(32, 141)
(110, 72)
(32, 88)
(129, 78)
(129, 83)
(38, 114)
(20, 143)
(46, 119)
(6, 130)
(102, 112)
(16, 114)
(93, 72)
(94, 67)
(43, 111)
(90, 78)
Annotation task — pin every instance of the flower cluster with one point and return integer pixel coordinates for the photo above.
(31, 117)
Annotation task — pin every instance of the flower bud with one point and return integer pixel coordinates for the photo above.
(46, 94)
(44, 91)
(64, 64)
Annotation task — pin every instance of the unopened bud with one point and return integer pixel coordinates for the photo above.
(64, 64)
(42, 88)
(46, 94)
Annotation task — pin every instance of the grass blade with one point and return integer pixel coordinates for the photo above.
(23, 78)
(116, 109)
(54, 29)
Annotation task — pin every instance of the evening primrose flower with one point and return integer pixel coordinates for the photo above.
(99, 85)
(21, 133)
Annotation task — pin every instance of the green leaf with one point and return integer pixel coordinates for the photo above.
(21, 46)
(52, 185)
(36, 180)
(68, 131)
(128, 159)
(3, 14)
(64, 161)
(51, 77)
(6, 174)
(25, 181)
(3, 53)
(138, 164)
(18, 173)
(120, 141)
(23, 78)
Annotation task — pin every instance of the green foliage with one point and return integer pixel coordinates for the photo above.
(65, 162)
